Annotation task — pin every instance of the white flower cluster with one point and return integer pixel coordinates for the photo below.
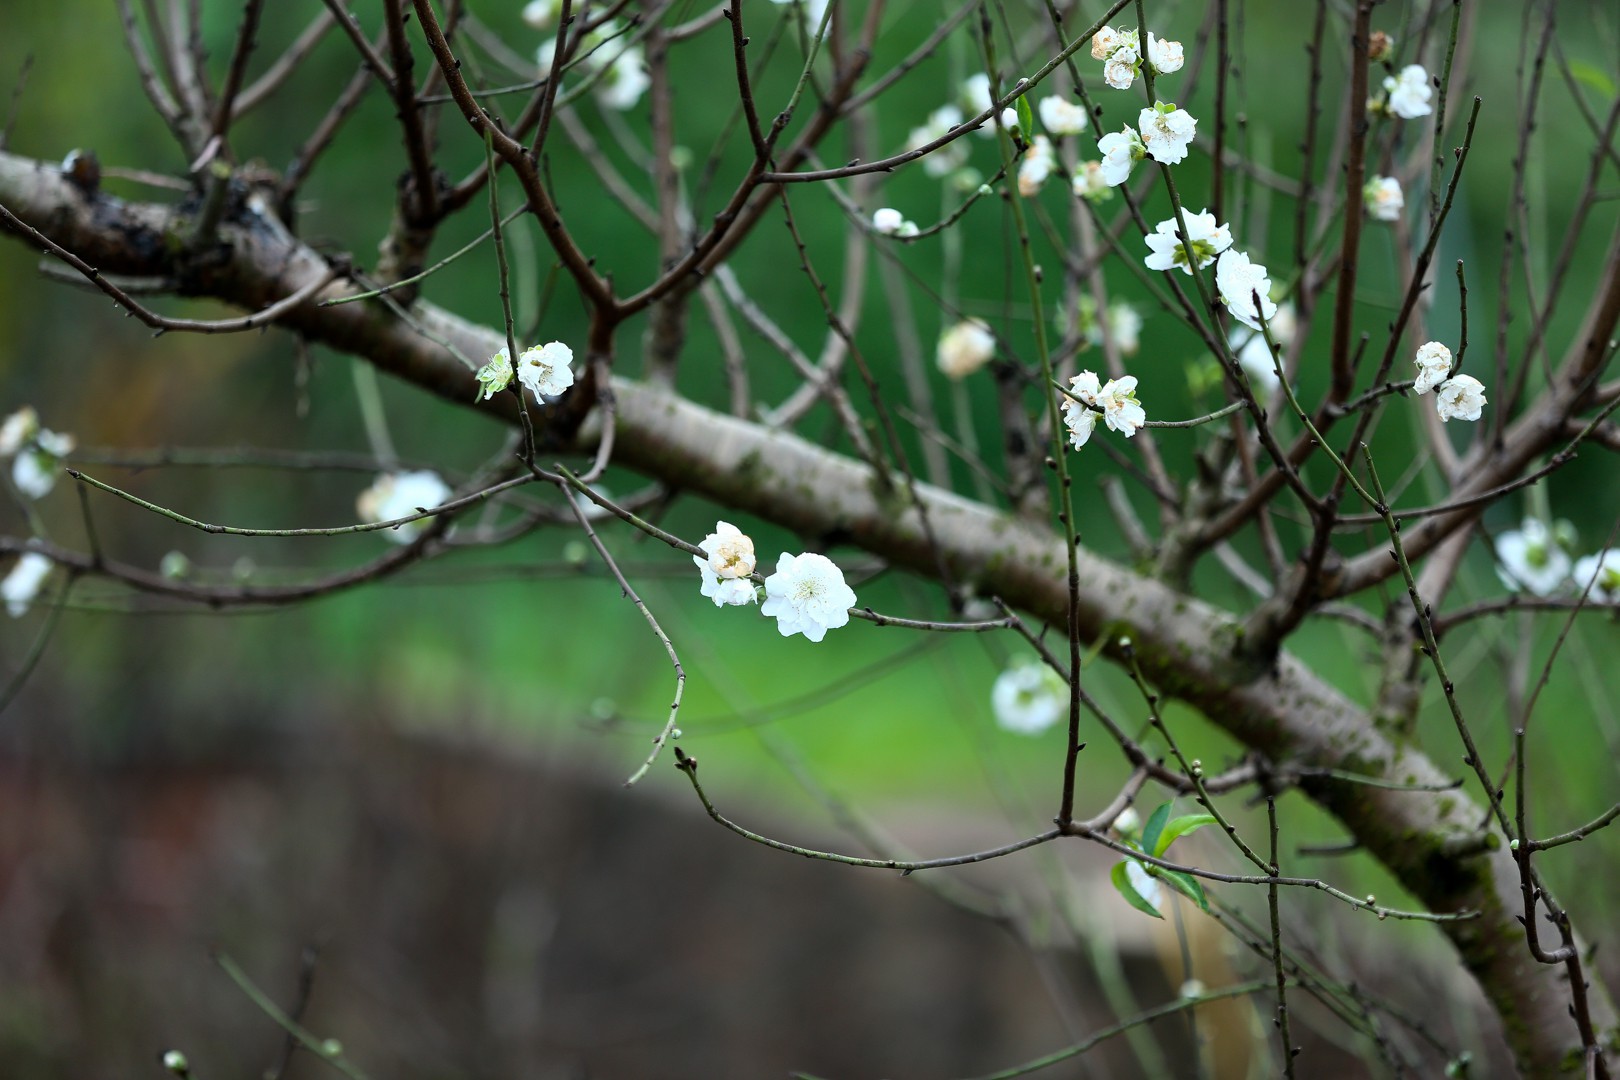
(36, 453)
(397, 495)
(1457, 397)
(1535, 558)
(1121, 54)
(545, 369)
(1088, 398)
(807, 594)
(1059, 115)
(1163, 132)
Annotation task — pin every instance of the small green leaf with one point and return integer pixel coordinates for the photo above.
(1592, 76)
(1187, 886)
(1155, 824)
(1179, 827)
(1122, 882)
(1026, 120)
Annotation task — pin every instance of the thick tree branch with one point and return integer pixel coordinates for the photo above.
(1187, 647)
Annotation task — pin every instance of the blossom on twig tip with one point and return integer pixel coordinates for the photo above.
(807, 595)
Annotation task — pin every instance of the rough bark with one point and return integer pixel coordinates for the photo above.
(1187, 647)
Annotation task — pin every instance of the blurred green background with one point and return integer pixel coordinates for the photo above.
(530, 646)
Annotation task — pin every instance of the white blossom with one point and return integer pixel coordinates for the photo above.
(1146, 885)
(1255, 357)
(1409, 92)
(976, 96)
(1125, 326)
(1103, 42)
(1237, 280)
(1530, 558)
(807, 595)
(397, 495)
(1086, 387)
(1120, 51)
(1126, 44)
(1122, 322)
(965, 348)
(1128, 822)
(18, 429)
(1383, 199)
(887, 220)
(21, 585)
(1165, 56)
(1078, 415)
(977, 99)
(1434, 366)
(545, 369)
(1121, 411)
(945, 159)
(1120, 150)
(1080, 422)
(1061, 116)
(1089, 182)
(728, 566)
(39, 463)
(494, 376)
(589, 508)
(1208, 239)
(626, 80)
(1119, 72)
(540, 14)
(1461, 397)
(1029, 698)
(1166, 132)
(1602, 572)
(1037, 165)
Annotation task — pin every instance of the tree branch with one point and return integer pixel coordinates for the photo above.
(1183, 645)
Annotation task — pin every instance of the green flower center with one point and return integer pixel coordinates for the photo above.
(1203, 251)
